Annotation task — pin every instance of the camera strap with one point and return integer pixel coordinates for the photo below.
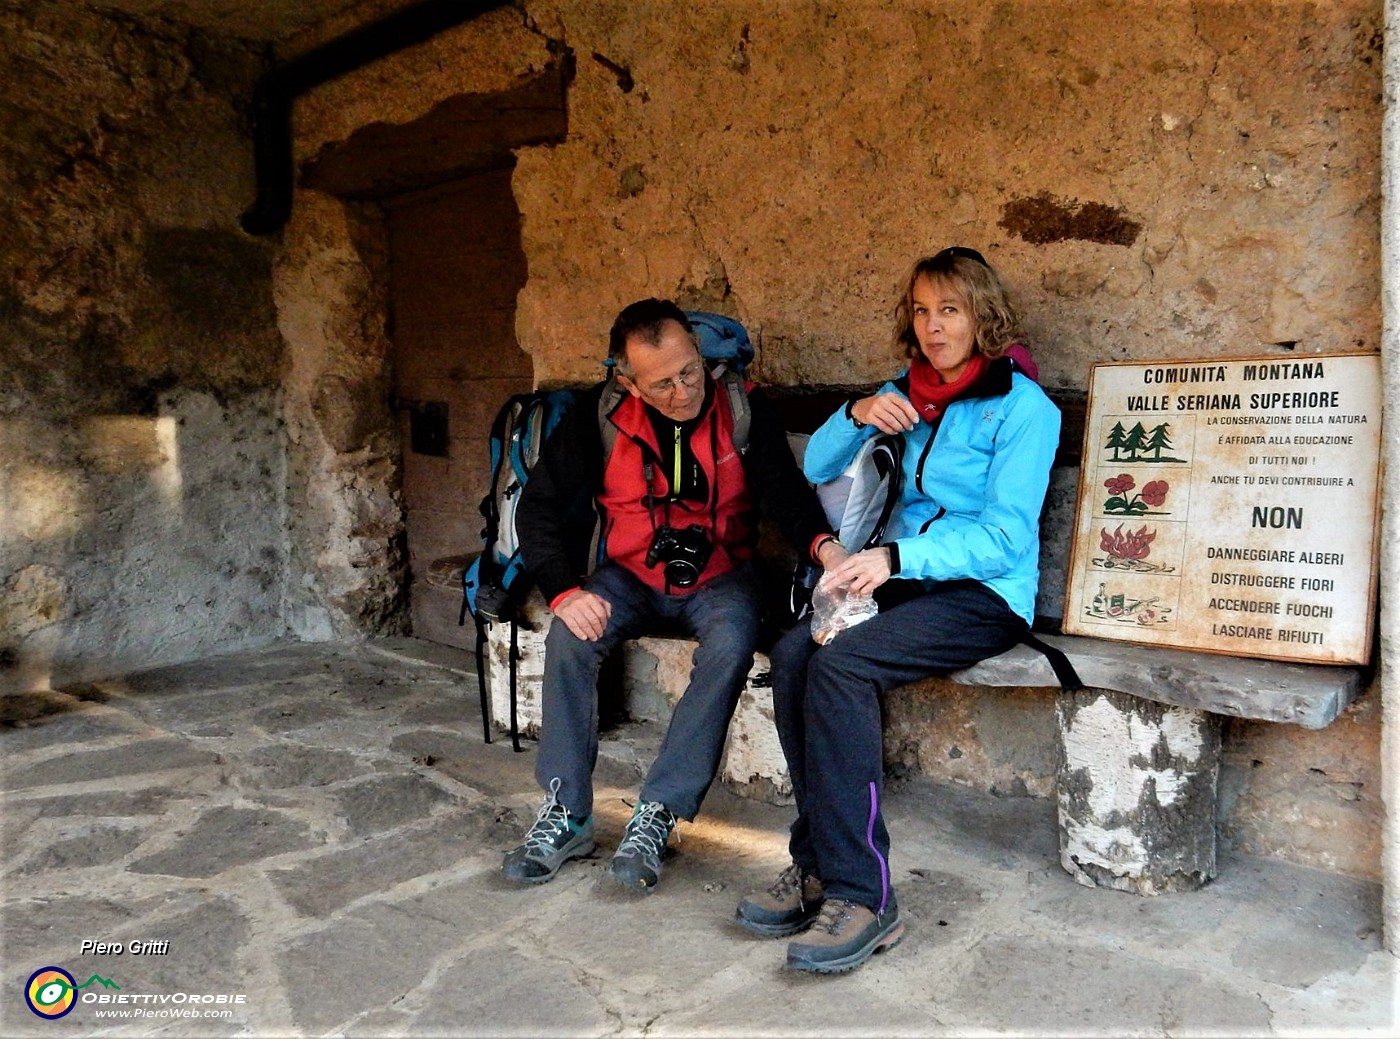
(712, 497)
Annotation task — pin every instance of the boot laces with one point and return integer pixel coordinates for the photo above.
(789, 881)
(835, 914)
(551, 820)
(648, 830)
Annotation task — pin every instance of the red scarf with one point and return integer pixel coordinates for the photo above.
(930, 394)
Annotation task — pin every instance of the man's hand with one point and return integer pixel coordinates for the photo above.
(887, 412)
(585, 614)
(863, 572)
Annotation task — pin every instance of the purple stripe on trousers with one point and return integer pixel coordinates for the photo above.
(870, 841)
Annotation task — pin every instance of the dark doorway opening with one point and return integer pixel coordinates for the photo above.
(455, 267)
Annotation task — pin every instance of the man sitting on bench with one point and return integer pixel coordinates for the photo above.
(676, 494)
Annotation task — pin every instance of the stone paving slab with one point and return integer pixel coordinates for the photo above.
(318, 830)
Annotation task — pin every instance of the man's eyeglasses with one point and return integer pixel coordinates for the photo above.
(689, 377)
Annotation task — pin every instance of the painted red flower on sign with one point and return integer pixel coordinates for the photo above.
(1151, 496)
(1132, 545)
(1155, 492)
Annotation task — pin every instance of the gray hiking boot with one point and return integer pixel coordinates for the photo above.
(637, 864)
(556, 837)
(785, 908)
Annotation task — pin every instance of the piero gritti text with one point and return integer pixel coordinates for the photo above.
(155, 947)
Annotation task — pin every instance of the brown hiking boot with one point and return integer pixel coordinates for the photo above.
(785, 908)
(843, 936)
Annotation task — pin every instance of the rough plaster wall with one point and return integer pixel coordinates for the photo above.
(1001, 740)
(1154, 180)
(344, 506)
(495, 52)
(140, 458)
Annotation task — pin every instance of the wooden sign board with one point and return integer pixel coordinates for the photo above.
(1231, 506)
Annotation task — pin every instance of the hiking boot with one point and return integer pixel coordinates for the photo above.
(637, 864)
(785, 908)
(556, 837)
(843, 936)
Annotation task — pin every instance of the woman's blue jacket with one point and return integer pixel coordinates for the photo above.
(973, 492)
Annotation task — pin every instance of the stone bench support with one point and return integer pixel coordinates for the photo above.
(1136, 792)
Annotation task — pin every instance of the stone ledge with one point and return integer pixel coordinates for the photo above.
(1310, 695)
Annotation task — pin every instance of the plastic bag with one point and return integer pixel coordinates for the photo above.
(835, 608)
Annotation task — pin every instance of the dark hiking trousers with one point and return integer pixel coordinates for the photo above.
(723, 616)
(827, 705)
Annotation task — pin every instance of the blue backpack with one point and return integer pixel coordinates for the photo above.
(495, 584)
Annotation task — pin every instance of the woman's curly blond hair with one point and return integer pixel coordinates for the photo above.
(996, 323)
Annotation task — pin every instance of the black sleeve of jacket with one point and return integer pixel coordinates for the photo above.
(776, 481)
(556, 506)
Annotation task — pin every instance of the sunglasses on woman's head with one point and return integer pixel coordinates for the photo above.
(965, 253)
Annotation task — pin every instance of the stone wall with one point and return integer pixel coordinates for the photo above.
(141, 461)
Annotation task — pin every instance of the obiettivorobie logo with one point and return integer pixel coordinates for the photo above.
(52, 992)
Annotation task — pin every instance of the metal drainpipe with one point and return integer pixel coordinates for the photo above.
(279, 87)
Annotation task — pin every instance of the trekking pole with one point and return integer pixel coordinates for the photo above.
(514, 656)
(481, 679)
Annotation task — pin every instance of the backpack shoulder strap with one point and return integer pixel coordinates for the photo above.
(738, 391)
(612, 396)
(501, 427)
(888, 458)
(1059, 663)
(861, 502)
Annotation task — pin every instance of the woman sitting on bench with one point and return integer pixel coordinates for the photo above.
(955, 581)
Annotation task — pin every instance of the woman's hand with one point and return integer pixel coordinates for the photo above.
(864, 571)
(832, 554)
(585, 614)
(887, 412)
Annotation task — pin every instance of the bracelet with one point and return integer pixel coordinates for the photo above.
(817, 549)
(850, 414)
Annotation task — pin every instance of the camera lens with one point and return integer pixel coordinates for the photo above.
(685, 553)
(681, 573)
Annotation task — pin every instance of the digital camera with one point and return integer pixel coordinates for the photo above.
(685, 553)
